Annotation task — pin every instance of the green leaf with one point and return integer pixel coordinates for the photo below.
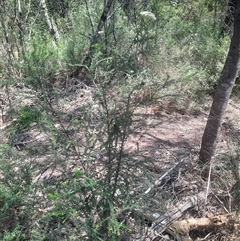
(78, 173)
(69, 144)
(53, 196)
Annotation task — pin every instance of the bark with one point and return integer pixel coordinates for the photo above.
(95, 37)
(222, 95)
(20, 25)
(51, 23)
(6, 37)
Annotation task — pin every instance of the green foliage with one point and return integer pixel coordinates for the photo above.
(27, 116)
(13, 218)
(39, 62)
(15, 235)
(77, 182)
(83, 197)
(8, 199)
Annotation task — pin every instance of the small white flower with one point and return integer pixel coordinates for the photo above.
(148, 15)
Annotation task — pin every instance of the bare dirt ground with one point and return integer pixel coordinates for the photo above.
(178, 134)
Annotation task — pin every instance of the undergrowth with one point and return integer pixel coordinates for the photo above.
(65, 173)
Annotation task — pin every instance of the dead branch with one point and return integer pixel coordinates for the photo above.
(180, 229)
(158, 182)
(163, 222)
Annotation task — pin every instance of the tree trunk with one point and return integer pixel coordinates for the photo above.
(51, 23)
(94, 40)
(223, 92)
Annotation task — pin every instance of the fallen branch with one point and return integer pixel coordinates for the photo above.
(163, 222)
(158, 182)
(180, 229)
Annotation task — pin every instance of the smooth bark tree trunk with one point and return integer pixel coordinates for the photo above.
(222, 94)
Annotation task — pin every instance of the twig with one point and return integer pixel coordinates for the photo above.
(208, 187)
(159, 180)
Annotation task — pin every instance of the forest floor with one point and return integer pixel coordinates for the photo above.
(169, 134)
(173, 136)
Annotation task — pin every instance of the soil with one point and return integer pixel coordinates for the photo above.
(178, 134)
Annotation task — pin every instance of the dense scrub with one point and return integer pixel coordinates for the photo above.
(74, 75)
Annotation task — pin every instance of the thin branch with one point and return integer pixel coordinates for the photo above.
(159, 180)
(89, 16)
(208, 187)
